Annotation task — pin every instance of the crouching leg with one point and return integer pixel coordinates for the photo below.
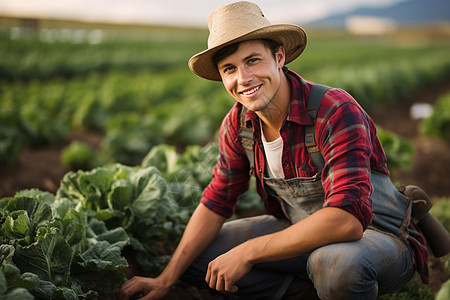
(378, 263)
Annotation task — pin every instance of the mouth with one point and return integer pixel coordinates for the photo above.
(251, 91)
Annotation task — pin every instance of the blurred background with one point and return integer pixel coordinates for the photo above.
(89, 83)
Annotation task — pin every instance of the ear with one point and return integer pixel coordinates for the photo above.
(280, 57)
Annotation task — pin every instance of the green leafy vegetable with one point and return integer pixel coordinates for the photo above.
(49, 257)
(47, 244)
(80, 156)
(399, 150)
(438, 123)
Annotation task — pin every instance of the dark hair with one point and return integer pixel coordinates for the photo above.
(231, 49)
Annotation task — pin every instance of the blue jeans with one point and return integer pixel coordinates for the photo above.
(376, 264)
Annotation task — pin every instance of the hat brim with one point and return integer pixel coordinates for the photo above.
(291, 37)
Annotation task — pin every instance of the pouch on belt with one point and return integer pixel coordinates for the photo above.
(435, 233)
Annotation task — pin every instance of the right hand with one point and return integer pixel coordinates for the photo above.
(145, 288)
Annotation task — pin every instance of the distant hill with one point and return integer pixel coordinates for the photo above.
(404, 13)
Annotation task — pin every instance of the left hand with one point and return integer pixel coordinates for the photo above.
(144, 288)
(224, 271)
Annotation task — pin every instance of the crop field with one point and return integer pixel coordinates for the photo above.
(131, 133)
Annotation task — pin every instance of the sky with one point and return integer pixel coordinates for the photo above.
(176, 12)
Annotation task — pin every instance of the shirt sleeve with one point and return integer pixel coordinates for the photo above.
(231, 174)
(345, 143)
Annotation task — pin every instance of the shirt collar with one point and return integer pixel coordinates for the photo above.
(299, 93)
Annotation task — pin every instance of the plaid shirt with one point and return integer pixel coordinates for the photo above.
(346, 138)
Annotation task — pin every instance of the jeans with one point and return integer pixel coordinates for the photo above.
(376, 264)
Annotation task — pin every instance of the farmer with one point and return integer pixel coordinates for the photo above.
(337, 229)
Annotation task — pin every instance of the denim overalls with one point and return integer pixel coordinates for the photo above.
(378, 263)
(300, 197)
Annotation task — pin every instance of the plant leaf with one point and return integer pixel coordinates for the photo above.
(18, 293)
(120, 195)
(49, 257)
(103, 256)
(45, 290)
(39, 212)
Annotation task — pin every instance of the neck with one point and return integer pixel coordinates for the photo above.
(275, 113)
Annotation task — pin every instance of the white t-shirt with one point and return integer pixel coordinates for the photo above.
(274, 151)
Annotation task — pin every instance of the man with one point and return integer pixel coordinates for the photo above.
(333, 232)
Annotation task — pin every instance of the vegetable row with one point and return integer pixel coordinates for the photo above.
(79, 243)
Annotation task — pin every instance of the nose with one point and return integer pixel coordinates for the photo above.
(244, 76)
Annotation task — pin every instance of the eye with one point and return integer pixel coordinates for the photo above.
(228, 69)
(252, 60)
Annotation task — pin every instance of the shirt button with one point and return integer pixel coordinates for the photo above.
(286, 164)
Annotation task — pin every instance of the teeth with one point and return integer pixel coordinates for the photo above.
(251, 91)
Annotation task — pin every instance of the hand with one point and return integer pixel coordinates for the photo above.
(145, 288)
(224, 271)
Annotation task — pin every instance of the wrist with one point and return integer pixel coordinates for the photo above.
(166, 280)
(249, 252)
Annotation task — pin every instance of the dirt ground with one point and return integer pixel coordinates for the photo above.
(41, 168)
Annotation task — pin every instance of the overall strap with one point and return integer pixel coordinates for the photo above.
(246, 139)
(315, 97)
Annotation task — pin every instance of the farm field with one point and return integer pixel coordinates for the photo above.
(105, 97)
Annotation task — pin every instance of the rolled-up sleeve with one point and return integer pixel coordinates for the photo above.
(231, 174)
(345, 142)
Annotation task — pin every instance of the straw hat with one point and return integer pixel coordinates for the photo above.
(243, 21)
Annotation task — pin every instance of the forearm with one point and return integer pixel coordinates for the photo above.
(328, 225)
(202, 228)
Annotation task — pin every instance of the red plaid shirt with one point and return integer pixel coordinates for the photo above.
(347, 140)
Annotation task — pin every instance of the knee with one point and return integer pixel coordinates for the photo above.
(341, 275)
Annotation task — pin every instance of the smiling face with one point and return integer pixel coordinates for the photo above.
(253, 75)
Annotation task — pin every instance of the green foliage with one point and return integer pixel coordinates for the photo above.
(399, 150)
(135, 87)
(44, 58)
(441, 210)
(444, 292)
(133, 198)
(43, 251)
(373, 71)
(188, 174)
(413, 290)
(25, 122)
(13, 135)
(438, 123)
(129, 137)
(70, 245)
(79, 155)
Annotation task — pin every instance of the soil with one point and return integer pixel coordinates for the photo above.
(41, 168)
